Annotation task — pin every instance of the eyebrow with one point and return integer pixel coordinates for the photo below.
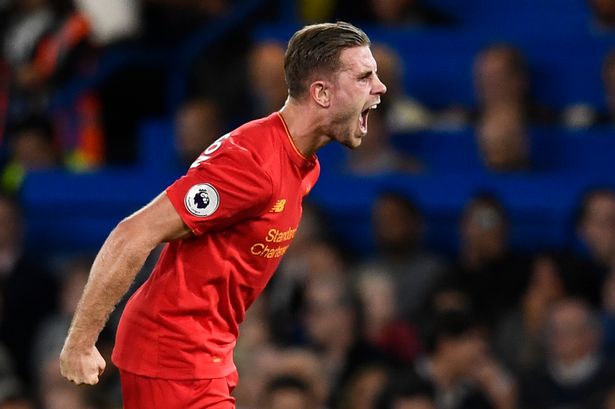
(365, 74)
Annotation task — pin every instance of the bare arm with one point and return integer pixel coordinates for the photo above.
(114, 269)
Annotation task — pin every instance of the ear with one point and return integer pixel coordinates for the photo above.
(320, 92)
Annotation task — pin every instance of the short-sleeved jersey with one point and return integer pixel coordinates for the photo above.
(242, 200)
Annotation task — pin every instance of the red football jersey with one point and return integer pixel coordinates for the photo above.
(242, 200)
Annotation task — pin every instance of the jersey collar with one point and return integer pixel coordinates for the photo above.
(296, 156)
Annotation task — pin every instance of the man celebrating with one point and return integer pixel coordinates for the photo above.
(227, 223)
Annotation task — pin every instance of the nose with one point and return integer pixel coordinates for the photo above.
(379, 87)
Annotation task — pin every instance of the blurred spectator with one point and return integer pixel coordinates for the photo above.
(609, 401)
(364, 387)
(488, 270)
(26, 22)
(333, 329)
(198, 125)
(265, 363)
(47, 47)
(52, 331)
(22, 280)
(597, 225)
(393, 13)
(266, 78)
(399, 230)
(603, 14)
(402, 113)
(17, 402)
(285, 392)
(447, 297)
(114, 21)
(596, 229)
(406, 392)
(575, 374)
(30, 147)
(583, 115)
(608, 79)
(255, 330)
(458, 367)
(316, 261)
(518, 337)
(503, 140)
(608, 315)
(256, 369)
(11, 390)
(376, 155)
(308, 366)
(381, 323)
(313, 254)
(501, 80)
(30, 20)
(222, 70)
(56, 393)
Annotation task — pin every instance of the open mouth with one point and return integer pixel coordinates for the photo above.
(363, 118)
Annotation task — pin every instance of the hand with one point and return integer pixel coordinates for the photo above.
(495, 383)
(81, 366)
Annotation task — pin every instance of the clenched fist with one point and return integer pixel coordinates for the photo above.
(81, 366)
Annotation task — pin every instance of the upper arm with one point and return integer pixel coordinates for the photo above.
(155, 223)
(228, 187)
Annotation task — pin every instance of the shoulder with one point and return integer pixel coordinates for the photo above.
(260, 137)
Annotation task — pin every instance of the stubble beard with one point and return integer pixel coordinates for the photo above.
(342, 131)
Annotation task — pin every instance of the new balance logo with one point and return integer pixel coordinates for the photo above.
(278, 207)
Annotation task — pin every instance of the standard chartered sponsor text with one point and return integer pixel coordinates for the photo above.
(273, 236)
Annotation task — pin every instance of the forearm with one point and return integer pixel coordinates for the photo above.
(114, 269)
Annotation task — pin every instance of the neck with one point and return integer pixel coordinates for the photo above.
(304, 127)
(475, 257)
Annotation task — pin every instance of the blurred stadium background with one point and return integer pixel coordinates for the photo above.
(463, 257)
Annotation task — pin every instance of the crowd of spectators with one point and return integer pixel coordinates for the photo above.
(406, 328)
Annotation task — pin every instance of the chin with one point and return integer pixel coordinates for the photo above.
(353, 142)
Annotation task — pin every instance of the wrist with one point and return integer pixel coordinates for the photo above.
(75, 343)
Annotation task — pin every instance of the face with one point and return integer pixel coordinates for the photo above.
(327, 321)
(465, 352)
(503, 141)
(570, 335)
(483, 229)
(289, 399)
(496, 80)
(32, 151)
(604, 8)
(366, 387)
(267, 75)
(197, 127)
(394, 227)
(377, 293)
(355, 90)
(598, 228)
(389, 11)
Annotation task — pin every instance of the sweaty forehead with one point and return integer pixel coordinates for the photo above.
(357, 59)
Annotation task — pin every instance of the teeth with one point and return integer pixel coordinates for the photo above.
(374, 106)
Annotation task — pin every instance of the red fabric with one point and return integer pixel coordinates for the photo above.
(184, 321)
(401, 340)
(139, 392)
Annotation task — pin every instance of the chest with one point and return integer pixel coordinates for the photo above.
(270, 234)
